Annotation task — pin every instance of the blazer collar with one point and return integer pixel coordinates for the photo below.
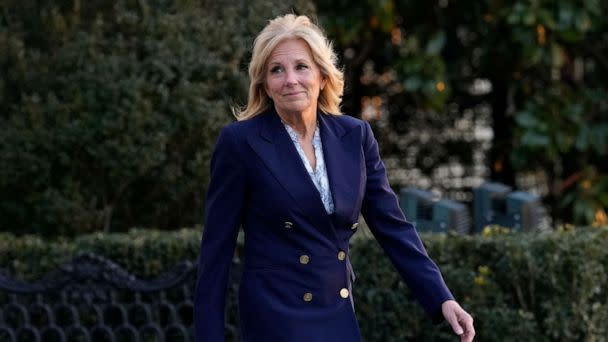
(342, 154)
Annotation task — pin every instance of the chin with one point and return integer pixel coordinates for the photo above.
(295, 108)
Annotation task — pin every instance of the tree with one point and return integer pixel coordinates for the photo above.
(541, 65)
(109, 110)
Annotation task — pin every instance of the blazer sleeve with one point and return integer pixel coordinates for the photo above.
(397, 236)
(223, 214)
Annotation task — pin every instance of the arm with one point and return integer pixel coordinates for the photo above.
(223, 211)
(397, 236)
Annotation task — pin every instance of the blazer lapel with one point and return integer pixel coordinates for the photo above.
(342, 152)
(274, 146)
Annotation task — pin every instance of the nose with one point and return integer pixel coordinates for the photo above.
(290, 78)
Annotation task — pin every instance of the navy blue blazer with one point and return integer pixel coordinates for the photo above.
(297, 275)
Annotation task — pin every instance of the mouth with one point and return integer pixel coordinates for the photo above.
(294, 93)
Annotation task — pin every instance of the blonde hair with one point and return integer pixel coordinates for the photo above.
(276, 31)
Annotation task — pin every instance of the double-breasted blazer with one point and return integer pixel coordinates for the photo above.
(297, 277)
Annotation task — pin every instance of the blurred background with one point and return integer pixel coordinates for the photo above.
(109, 113)
(109, 110)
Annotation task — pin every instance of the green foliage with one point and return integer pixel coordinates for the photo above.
(143, 252)
(109, 111)
(401, 44)
(534, 287)
(547, 62)
(519, 287)
(566, 123)
(561, 118)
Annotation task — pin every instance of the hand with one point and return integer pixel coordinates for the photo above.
(460, 320)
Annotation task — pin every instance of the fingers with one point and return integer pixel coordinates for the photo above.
(465, 322)
(460, 321)
(451, 310)
(456, 327)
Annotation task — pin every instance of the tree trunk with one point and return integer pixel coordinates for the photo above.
(500, 159)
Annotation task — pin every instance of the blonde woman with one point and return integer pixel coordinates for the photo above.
(295, 174)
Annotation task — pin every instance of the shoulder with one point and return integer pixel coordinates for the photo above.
(244, 125)
(343, 121)
(345, 124)
(240, 130)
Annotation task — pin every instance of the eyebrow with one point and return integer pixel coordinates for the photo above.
(299, 60)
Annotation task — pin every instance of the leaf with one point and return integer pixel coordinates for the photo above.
(534, 140)
(603, 199)
(532, 55)
(582, 140)
(519, 158)
(576, 112)
(412, 83)
(546, 17)
(557, 55)
(436, 44)
(583, 23)
(526, 119)
(589, 213)
(571, 36)
(563, 141)
(599, 136)
(565, 16)
(529, 18)
(513, 18)
(579, 210)
(568, 199)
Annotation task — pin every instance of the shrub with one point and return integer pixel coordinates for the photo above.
(103, 104)
(519, 287)
(143, 252)
(533, 287)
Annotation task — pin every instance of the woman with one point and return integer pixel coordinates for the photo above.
(295, 175)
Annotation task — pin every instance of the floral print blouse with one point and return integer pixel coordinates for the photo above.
(319, 174)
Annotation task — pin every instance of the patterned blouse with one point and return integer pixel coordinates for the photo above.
(319, 175)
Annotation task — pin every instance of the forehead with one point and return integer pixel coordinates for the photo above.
(290, 49)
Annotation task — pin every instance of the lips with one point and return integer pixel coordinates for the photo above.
(294, 94)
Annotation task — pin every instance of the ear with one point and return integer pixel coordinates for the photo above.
(323, 83)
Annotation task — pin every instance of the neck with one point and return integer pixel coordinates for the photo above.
(304, 123)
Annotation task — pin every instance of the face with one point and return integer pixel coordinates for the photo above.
(293, 79)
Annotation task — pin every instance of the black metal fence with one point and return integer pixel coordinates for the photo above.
(90, 298)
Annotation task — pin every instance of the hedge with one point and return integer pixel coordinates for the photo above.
(547, 286)
(106, 103)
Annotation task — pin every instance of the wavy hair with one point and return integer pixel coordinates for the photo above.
(276, 31)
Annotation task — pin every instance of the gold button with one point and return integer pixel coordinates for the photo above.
(341, 255)
(355, 225)
(344, 293)
(288, 224)
(304, 259)
(307, 297)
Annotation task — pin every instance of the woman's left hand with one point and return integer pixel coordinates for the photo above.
(460, 320)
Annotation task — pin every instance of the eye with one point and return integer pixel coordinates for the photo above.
(301, 66)
(276, 69)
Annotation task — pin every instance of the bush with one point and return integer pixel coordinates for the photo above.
(532, 287)
(103, 104)
(535, 287)
(143, 252)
